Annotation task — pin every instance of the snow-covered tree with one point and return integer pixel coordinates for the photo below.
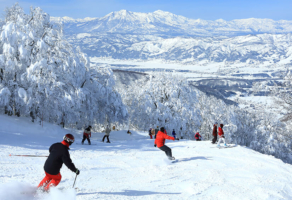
(42, 76)
(169, 100)
(165, 100)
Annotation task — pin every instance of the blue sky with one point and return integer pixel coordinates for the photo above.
(203, 9)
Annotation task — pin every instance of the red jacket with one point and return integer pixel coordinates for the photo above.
(160, 139)
(220, 131)
(87, 133)
(197, 136)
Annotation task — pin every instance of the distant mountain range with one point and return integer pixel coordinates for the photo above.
(166, 23)
(163, 35)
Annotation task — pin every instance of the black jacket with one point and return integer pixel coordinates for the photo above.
(59, 154)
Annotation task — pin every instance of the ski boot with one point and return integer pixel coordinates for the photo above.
(171, 158)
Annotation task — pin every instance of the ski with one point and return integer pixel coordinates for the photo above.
(68, 188)
(28, 155)
(85, 144)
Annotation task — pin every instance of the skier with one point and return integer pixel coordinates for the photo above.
(156, 131)
(221, 135)
(150, 133)
(198, 137)
(87, 135)
(214, 133)
(59, 154)
(153, 132)
(173, 134)
(160, 140)
(107, 133)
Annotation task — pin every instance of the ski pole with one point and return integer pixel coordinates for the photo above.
(28, 155)
(75, 180)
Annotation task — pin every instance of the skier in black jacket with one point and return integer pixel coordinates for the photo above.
(59, 154)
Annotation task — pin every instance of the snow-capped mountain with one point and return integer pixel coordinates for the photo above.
(163, 35)
(168, 24)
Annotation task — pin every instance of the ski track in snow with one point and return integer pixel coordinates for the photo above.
(131, 168)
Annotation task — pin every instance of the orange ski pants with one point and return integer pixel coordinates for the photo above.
(50, 180)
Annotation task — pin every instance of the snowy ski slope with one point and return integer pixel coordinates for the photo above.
(131, 168)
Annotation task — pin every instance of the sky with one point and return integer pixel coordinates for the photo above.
(203, 9)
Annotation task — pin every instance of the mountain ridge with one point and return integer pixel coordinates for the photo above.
(162, 22)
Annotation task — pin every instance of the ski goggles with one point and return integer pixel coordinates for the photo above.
(68, 139)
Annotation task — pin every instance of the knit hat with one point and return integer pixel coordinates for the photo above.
(216, 123)
(162, 129)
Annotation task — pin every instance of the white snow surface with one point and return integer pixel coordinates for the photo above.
(131, 168)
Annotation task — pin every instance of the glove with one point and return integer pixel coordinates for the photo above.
(77, 171)
(177, 139)
(154, 145)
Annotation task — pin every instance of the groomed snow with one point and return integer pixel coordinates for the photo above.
(131, 168)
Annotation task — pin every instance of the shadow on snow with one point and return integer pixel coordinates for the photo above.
(193, 158)
(135, 193)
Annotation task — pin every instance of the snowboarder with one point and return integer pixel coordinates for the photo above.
(221, 135)
(198, 137)
(59, 154)
(107, 133)
(156, 131)
(214, 133)
(173, 134)
(87, 135)
(150, 133)
(160, 140)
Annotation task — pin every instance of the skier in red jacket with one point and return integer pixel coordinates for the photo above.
(221, 135)
(87, 135)
(59, 154)
(198, 137)
(160, 140)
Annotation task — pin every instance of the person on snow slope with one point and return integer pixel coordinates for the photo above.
(87, 135)
(156, 131)
(173, 134)
(215, 133)
(198, 137)
(221, 135)
(59, 154)
(107, 133)
(150, 133)
(160, 142)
